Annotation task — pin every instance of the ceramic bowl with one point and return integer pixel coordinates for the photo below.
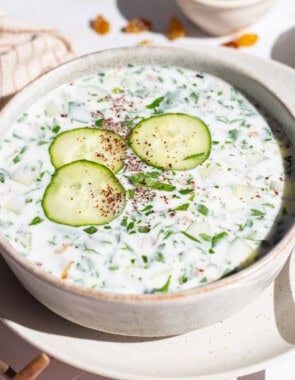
(149, 315)
(220, 17)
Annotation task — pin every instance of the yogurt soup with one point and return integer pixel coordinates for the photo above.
(195, 181)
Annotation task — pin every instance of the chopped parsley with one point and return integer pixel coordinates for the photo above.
(90, 230)
(203, 210)
(155, 103)
(35, 221)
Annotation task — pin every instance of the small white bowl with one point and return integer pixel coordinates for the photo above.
(220, 17)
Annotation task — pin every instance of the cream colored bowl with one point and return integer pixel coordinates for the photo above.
(220, 17)
(155, 314)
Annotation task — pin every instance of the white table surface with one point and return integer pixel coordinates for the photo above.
(276, 41)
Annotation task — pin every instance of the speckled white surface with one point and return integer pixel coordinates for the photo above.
(244, 340)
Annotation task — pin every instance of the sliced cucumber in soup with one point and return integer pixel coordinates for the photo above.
(98, 145)
(83, 193)
(171, 141)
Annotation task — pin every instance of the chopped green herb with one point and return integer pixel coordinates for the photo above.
(124, 221)
(234, 133)
(127, 247)
(271, 205)
(144, 258)
(98, 122)
(113, 267)
(197, 155)
(143, 229)
(80, 268)
(155, 103)
(258, 213)
(131, 193)
(195, 97)
(216, 238)
(190, 179)
(117, 90)
(35, 221)
(203, 280)
(211, 251)
(90, 230)
(223, 119)
(183, 207)
(147, 208)
(182, 279)
(203, 210)
(168, 234)
(129, 123)
(249, 223)
(186, 191)
(160, 257)
(56, 129)
(130, 226)
(190, 236)
(164, 288)
(147, 180)
(2, 177)
(16, 159)
(205, 237)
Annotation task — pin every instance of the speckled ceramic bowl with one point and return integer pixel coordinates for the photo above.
(154, 314)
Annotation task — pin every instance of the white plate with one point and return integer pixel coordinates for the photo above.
(248, 341)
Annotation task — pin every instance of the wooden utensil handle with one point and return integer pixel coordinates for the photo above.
(33, 369)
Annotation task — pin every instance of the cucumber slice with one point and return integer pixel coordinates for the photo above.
(171, 141)
(98, 145)
(83, 193)
(242, 253)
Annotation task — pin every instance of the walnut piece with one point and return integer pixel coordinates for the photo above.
(175, 29)
(100, 25)
(137, 25)
(242, 41)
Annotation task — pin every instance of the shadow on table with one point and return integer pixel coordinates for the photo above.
(284, 303)
(283, 49)
(158, 12)
(19, 306)
(254, 376)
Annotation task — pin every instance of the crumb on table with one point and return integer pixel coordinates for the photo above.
(137, 25)
(100, 25)
(145, 43)
(248, 39)
(175, 29)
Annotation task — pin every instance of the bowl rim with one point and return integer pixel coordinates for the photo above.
(287, 242)
(226, 4)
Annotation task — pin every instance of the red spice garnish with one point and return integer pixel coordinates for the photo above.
(62, 248)
(253, 133)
